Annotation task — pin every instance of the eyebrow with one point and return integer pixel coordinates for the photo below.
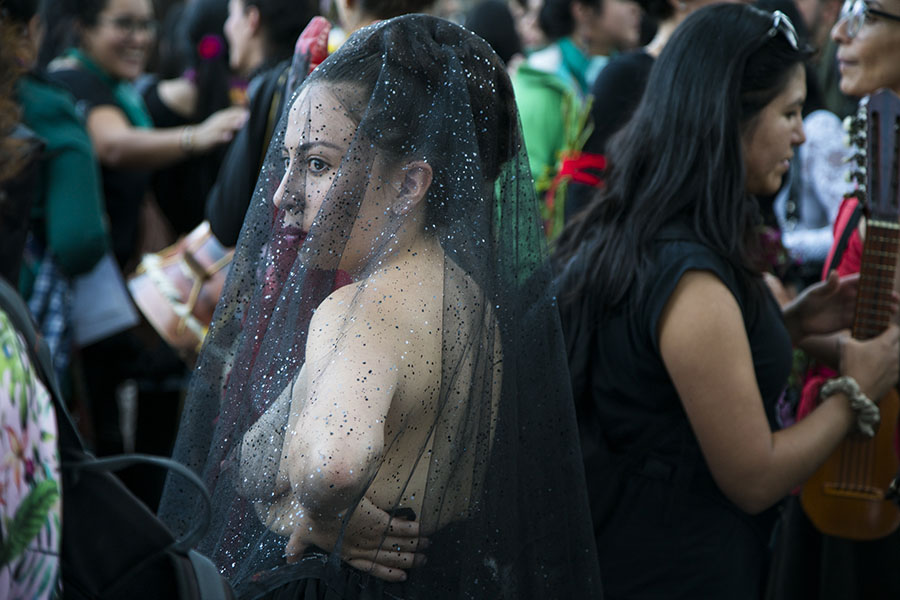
(309, 145)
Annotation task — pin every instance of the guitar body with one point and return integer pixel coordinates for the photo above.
(841, 505)
(846, 497)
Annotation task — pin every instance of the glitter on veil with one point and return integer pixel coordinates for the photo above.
(387, 342)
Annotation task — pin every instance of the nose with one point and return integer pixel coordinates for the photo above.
(281, 192)
(839, 31)
(798, 136)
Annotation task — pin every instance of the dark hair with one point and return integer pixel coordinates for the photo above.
(19, 11)
(680, 157)
(555, 18)
(283, 21)
(13, 156)
(202, 18)
(417, 53)
(388, 9)
(815, 99)
(492, 20)
(658, 10)
(62, 19)
(13, 151)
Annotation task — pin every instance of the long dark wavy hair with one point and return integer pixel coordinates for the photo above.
(680, 156)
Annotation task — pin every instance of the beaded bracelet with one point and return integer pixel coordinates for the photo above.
(867, 414)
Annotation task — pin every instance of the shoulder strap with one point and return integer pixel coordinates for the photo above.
(845, 238)
(39, 354)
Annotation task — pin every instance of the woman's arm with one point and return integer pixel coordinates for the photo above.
(337, 443)
(120, 145)
(706, 352)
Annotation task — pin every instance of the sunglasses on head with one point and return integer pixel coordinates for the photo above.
(782, 24)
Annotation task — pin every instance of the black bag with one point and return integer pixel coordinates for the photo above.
(113, 546)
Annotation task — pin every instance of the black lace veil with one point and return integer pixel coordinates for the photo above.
(386, 339)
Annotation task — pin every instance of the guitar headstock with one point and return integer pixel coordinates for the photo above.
(883, 156)
(855, 125)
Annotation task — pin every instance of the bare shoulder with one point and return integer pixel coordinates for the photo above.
(179, 95)
(700, 312)
(363, 316)
(699, 292)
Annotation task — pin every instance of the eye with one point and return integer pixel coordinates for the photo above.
(316, 165)
(287, 162)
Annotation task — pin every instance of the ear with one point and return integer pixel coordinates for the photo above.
(415, 181)
(253, 19)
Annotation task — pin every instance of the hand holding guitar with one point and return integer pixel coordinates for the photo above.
(873, 363)
(827, 307)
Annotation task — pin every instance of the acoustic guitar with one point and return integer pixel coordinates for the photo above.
(847, 496)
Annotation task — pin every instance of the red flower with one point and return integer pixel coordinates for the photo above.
(210, 46)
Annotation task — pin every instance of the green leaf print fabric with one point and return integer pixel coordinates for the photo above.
(30, 508)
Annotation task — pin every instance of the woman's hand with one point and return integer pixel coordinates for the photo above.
(219, 128)
(825, 307)
(373, 541)
(873, 363)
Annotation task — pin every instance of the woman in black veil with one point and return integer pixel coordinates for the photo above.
(382, 407)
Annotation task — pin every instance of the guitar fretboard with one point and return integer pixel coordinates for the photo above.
(876, 279)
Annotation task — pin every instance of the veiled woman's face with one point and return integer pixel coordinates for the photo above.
(318, 138)
(869, 60)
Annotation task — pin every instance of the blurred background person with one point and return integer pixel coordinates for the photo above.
(102, 47)
(261, 36)
(618, 90)
(493, 21)
(67, 234)
(205, 85)
(819, 16)
(552, 84)
(525, 15)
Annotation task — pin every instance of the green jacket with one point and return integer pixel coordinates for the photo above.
(69, 202)
(549, 89)
(549, 108)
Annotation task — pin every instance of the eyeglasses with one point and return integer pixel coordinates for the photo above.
(131, 25)
(781, 23)
(857, 12)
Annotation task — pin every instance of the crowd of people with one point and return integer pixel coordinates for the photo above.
(524, 299)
